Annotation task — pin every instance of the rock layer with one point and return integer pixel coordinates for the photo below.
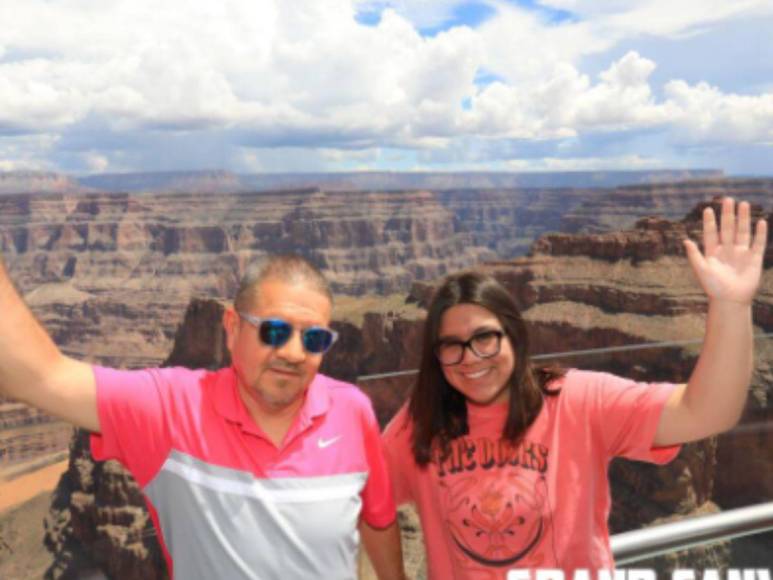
(112, 274)
(627, 204)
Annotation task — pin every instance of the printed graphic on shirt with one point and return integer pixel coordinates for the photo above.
(495, 498)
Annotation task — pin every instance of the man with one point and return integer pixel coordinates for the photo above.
(262, 470)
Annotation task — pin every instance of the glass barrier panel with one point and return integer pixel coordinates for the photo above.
(732, 470)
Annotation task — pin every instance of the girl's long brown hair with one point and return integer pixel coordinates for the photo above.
(437, 410)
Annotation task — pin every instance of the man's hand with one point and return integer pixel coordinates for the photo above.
(731, 266)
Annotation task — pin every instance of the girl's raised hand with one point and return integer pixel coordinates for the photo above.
(730, 266)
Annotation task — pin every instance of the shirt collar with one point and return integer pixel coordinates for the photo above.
(317, 398)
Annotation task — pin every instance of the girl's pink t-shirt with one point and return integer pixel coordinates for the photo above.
(491, 507)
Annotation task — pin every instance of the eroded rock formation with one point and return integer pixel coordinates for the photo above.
(628, 287)
(99, 523)
(111, 274)
(29, 437)
(672, 200)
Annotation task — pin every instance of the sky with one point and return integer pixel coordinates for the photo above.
(253, 86)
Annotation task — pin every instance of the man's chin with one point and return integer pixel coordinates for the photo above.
(281, 393)
(275, 394)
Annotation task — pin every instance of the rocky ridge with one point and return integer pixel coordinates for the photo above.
(671, 201)
(37, 182)
(220, 181)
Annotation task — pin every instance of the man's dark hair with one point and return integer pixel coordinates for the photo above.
(288, 268)
(438, 411)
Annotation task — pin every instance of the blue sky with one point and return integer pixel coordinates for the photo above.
(405, 85)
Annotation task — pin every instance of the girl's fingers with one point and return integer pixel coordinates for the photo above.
(760, 238)
(694, 256)
(727, 226)
(743, 229)
(710, 239)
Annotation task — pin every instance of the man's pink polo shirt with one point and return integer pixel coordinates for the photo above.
(226, 501)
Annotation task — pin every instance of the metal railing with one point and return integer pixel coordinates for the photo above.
(573, 353)
(638, 545)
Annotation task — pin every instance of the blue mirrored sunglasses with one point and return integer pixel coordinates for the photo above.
(275, 332)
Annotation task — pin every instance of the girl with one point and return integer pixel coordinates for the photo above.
(507, 464)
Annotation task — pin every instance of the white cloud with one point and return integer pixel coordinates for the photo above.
(306, 75)
(520, 47)
(320, 72)
(623, 99)
(421, 13)
(26, 152)
(620, 163)
(675, 19)
(703, 113)
(660, 17)
(36, 93)
(566, 102)
(96, 163)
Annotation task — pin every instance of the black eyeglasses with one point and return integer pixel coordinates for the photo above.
(483, 344)
(275, 332)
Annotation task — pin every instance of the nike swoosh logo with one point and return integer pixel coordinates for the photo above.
(322, 443)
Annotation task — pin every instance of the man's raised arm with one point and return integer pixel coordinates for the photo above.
(33, 370)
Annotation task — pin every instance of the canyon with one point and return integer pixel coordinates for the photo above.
(110, 274)
(113, 275)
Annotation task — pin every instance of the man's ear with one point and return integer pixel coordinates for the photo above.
(231, 327)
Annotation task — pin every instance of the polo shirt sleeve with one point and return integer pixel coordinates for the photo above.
(133, 430)
(399, 455)
(626, 414)
(378, 505)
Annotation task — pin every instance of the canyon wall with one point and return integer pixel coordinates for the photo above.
(577, 292)
(112, 274)
(673, 200)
